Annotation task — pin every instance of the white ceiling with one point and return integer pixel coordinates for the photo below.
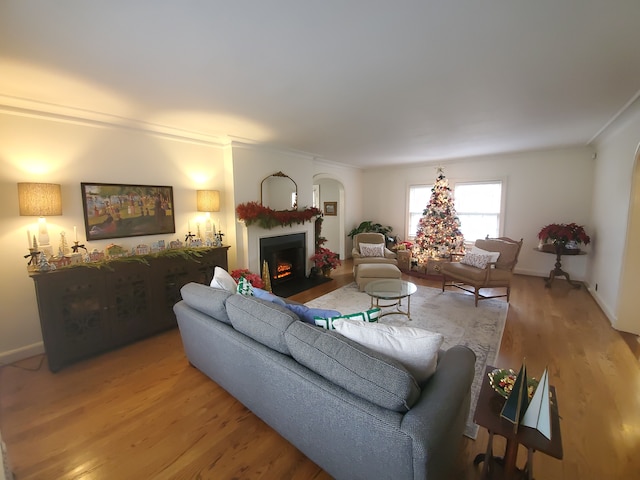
(362, 82)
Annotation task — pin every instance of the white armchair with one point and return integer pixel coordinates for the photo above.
(364, 254)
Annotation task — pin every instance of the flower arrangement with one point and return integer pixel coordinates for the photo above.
(325, 259)
(254, 279)
(265, 217)
(561, 233)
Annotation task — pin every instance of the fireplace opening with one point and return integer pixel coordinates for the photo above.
(285, 256)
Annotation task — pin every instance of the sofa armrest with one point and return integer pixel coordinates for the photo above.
(437, 420)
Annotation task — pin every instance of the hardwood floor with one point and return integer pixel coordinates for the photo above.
(142, 412)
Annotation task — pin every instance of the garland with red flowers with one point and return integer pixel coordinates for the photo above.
(265, 217)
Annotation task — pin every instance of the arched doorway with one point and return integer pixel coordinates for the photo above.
(331, 191)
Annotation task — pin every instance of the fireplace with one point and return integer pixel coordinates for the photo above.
(286, 257)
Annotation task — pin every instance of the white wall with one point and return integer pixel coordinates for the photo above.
(617, 148)
(42, 149)
(542, 187)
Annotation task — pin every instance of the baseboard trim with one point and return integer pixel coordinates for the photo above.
(21, 353)
(611, 316)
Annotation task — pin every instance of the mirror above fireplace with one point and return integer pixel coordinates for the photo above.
(279, 192)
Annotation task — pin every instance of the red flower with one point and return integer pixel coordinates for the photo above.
(325, 258)
(254, 279)
(563, 233)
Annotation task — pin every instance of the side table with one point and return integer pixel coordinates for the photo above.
(487, 415)
(557, 271)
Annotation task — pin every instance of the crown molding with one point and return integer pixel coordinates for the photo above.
(60, 113)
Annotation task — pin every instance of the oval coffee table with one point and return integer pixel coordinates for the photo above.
(391, 289)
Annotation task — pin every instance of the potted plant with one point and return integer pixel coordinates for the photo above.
(325, 260)
(369, 226)
(563, 237)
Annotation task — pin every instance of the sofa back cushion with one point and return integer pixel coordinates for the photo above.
(363, 372)
(208, 300)
(261, 320)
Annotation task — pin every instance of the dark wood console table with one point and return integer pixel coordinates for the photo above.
(90, 308)
(557, 271)
(487, 415)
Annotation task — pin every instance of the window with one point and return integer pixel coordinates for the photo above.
(478, 205)
(419, 196)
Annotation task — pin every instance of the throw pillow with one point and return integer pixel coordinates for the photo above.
(308, 314)
(222, 279)
(326, 322)
(475, 260)
(372, 249)
(415, 348)
(494, 256)
(268, 296)
(244, 287)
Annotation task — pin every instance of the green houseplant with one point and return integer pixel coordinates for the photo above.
(369, 226)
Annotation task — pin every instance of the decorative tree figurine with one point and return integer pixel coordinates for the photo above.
(438, 233)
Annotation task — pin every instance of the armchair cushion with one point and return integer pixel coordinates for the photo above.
(475, 260)
(372, 249)
(485, 277)
(494, 256)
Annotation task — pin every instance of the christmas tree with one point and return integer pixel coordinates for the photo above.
(438, 233)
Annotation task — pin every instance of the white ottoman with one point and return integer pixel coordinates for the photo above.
(368, 272)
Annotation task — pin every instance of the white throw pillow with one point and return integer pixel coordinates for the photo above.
(372, 249)
(475, 260)
(492, 255)
(222, 279)
(416, 348)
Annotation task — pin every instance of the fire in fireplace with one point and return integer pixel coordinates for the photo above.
(285, 256)
(283, 269)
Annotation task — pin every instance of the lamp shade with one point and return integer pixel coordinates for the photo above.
(39, 199)
(208, 200)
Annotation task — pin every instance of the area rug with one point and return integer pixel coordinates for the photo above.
(449, 313)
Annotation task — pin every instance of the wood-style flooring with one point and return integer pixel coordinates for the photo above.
(141, 412)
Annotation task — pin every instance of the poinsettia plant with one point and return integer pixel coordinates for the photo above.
(325, 258)
(265, 217)
(254, 279)
(564, 233)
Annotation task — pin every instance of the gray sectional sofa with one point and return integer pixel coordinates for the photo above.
(356, 413)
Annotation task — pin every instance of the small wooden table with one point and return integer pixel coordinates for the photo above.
(487, 415)
(557, 271)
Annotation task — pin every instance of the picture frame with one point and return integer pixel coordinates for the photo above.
(331, 209)
(114, 210)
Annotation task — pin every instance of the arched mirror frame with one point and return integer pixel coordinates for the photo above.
(294, 202)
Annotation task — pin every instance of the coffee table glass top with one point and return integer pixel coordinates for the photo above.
(390, 289)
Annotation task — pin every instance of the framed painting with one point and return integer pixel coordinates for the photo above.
(331, 208)
(114, 210)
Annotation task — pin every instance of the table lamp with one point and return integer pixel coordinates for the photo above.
(208, 201)
(40, 200)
